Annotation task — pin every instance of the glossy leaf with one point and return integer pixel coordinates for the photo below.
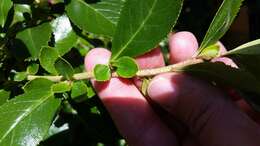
(64, 68)
(142, 25)
(226, 75)
(5, 6)
(209, 52)
(48, 56)
(251, 48)
(221, 22)
(110, 9)
(102, 72)
(61, 87)
(27, 118)
(38, 85)
(79, 88)
(32, 69)
(4, 96)
(126, 67)
(90, 19)
(19, 10)
(36, 37)
(65, 37)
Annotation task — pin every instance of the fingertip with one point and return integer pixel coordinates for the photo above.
(151, 59)
(183, 45)
(163, 90)
(96, 56)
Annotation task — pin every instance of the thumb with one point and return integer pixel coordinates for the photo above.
(206, 110)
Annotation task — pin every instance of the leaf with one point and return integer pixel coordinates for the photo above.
(65, 37)
(94, 21)
(221, 22)
(251, 48)
(61, 87)
(35, 38)
(19, 10)
(20, 76)
(210, 52)
(4, 96)
(226, 75)
(27, 118)
(64, 68)
(102, 72)
(78, 88)
(38, 85)
(32, 69)
(5, 6)
(142, 25)
(126, 67)
(48, 56)
(110, 9)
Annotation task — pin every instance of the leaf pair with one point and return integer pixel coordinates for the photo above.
(126, 67)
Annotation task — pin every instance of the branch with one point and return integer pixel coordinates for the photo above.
(141, 73)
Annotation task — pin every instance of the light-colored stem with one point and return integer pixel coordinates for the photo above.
(141, 73)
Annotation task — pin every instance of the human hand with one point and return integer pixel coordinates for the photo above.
(209, 117)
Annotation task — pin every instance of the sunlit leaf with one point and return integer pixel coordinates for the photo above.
(36, 37)
(221, 22)
(142, 25)
(125, 67)
(102, 72)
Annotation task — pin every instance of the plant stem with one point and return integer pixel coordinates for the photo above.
(141, 73)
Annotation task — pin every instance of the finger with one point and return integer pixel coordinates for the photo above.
(190, 141)
(182, 45)
(225, 60)
(152, 59)
(207, 111)
(243, 105)
(130, 111)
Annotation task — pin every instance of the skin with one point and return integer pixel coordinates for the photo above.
(208, 116)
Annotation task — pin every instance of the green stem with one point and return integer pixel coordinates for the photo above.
(141, 73)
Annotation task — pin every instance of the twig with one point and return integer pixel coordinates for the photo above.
(141, 73)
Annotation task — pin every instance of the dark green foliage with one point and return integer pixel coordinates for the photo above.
(47, 38)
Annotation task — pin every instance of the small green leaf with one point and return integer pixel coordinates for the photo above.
(64, 68)
(221, 22)
(61, 87)
(142, 25)
(36, 37)
(226, 75)
(210, 52)
(251, 48)
(20, 76)
(38, 85)
(32, 69)
(94, 21)
(4, 96)
(5, 6)
(126, 67)
(48, 56)
(102, 72)
(78, 88)
(65, 37)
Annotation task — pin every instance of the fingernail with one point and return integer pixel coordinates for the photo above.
(163, 90)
